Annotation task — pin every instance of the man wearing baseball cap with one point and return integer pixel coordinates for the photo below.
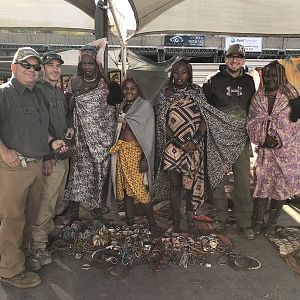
(55, 166)
(230, 90)
(24, 140)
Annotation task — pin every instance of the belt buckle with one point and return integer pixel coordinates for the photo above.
(23, 162)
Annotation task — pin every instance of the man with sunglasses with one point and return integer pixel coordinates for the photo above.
(55, 166)
(230, 90)
(24, 140)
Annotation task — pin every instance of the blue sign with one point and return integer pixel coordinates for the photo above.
(184, 40)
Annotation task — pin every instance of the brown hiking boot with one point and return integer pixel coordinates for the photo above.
(23, 280)
(32, 264)
(42, 255)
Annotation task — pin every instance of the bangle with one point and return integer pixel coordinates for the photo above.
(176, 142)
(195, 141)
(197, 137)
(51, 142)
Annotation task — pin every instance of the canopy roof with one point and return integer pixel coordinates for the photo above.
(231, 17)
(255, 17)
(45, 14)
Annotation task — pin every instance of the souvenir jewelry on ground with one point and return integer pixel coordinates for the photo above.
(131, 246)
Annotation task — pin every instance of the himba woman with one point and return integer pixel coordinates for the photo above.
(94, 124)
(182, 117)
(133, 153)
(180, 128)
(274, 127)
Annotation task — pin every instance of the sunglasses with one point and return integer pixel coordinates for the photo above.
(27, 66)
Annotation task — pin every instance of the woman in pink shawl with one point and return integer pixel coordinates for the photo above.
(273, 127)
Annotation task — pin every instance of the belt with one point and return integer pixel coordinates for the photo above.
(24, 160)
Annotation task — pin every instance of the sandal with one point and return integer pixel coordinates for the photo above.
(270, 231)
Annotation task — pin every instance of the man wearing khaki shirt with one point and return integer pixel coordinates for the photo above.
(24, 140)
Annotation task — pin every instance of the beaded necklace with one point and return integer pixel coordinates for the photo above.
(177, 90)
(90, 80)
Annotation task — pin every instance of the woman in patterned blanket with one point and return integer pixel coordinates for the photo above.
(180, 124)
(274, 127)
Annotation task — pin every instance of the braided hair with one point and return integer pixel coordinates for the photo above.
(183, 62)
(137, 84)
(282, 80)
(287, 89)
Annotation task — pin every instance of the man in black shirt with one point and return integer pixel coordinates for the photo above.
(230, 90)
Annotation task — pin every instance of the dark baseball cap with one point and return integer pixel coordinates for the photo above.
(51, 56)
(24, 53)
(236, 49)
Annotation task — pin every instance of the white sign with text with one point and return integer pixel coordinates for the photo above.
(251, 44)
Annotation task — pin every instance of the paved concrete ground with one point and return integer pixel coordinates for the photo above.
(65, 280)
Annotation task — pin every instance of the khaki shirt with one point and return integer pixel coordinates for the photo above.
(24, 119)
(57, 108)
(56, 105)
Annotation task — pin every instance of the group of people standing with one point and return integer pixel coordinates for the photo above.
(180, 149)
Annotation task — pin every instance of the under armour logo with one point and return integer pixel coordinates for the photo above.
(230, 91)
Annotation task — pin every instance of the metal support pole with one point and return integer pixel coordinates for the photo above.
(123, 43)
(101, 27)
(124, 60)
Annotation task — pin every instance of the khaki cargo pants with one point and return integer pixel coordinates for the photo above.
(53, 190)
(19, 199)
(243, 204)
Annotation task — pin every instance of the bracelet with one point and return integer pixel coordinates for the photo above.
(176, 142)
(195, 141)
(197, 137)
(51, 142)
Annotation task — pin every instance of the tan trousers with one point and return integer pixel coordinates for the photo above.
(19, 198)
(62, 203)
(53, 187)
